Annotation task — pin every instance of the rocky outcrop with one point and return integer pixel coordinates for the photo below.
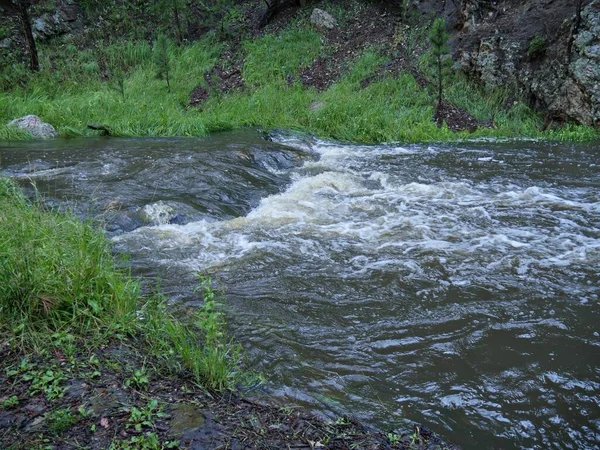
(34, 126)
(66, 19)
(547, 51)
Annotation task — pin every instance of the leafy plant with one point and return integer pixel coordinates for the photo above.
(145, 417)
(11, 402)
(48, 382)
(139, 379)
(394, 439)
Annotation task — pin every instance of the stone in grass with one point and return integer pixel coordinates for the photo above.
(322, 19)
(34, 126)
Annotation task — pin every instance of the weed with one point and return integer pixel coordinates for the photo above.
(11, 402)
(146, 441)
(84, 413)
(139, 379)
(145, 417)
(60, 420)
(47, 382)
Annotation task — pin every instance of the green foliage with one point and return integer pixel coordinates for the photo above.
(11, 402)
(145, 417)
(139, 379)
(203, 348)
(47, 382)
(537, 47)
(438, 37)
(4, 32)
(73, 94)
(162, 59)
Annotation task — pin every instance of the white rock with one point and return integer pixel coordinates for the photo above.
(33, 125)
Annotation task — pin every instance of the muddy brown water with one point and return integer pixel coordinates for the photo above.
(453, 285)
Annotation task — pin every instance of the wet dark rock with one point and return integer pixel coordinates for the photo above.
(76, 389)
(185, 419)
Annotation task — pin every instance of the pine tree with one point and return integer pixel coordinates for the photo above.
(161, 59)
(438, 37)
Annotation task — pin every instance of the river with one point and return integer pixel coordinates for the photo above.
(453, 285)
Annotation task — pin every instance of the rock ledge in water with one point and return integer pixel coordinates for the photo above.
(33, 125)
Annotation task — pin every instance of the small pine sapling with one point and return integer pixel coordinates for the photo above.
(438, 37)
(162, 59)
(117, 71)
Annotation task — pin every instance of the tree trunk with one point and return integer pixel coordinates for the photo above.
(439, 61)
(177, 23)
(24, 18)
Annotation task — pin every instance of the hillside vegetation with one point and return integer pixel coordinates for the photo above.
(371, 79)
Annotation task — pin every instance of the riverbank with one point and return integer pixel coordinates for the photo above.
(89, 362)
(371, 80)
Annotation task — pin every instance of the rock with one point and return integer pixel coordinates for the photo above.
(5, 43)
(184, 418)
(66, 19)
(322, 19)
(159, 213)
(41, 27)
(563, 82)
(34, 126)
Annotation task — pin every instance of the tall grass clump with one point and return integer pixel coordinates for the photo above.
(57, 274)
(56, 271)
(202, 346)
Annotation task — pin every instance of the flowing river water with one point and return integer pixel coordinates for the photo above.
(453, 285)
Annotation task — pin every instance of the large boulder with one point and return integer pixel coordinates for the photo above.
(34, 126)
(322, 19)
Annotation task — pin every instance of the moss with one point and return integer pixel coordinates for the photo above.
(537, 48)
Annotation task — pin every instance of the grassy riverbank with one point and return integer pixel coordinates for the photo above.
(362, 102)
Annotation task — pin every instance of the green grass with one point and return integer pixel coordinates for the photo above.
(75, 93)
(58, 278)
(273, 59)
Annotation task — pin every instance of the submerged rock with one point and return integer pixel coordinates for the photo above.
(34, 126)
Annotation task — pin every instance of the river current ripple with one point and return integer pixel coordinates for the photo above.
(457, 286)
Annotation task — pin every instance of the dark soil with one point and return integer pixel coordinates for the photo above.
(458, 119)
(106, 402)
(372, 27)
(224, 78)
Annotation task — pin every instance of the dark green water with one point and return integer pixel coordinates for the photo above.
(457, 286)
